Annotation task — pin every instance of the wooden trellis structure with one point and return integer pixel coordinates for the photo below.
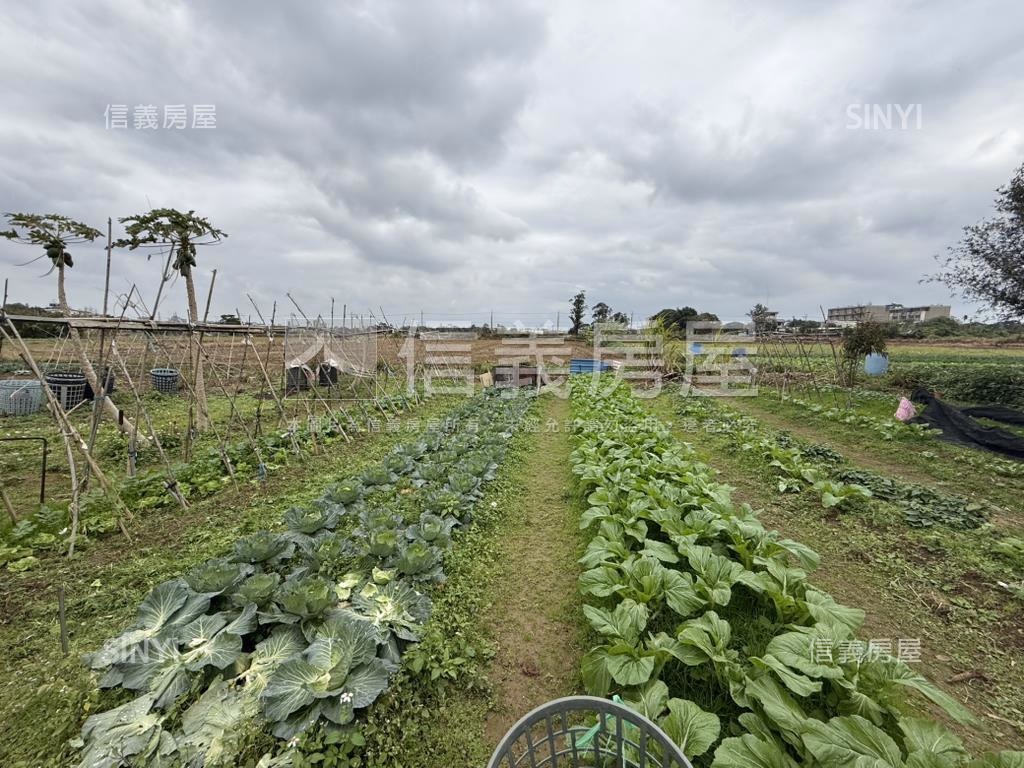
(244, 365)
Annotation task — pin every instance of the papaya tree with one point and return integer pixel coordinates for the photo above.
(54, 234)
(181, 233)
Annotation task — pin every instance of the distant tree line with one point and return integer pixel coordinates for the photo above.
(599, 313)
(27, 328)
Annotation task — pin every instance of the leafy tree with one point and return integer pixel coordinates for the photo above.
(601, 312)
(762, 318)
(859, 341)
(804, 325)
(181, 232)
(674, 320)
(987, 266)
(54, 234)
(576, 312)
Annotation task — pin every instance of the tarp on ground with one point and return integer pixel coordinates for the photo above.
(960, 426)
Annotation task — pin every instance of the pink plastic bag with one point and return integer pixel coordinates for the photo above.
(906, 410)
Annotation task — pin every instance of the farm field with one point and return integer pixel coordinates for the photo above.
(759, 575)
(512, 385)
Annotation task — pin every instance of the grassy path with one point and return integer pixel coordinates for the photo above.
(44, 696)
(908, 583)
(536, 613)
(507, 628)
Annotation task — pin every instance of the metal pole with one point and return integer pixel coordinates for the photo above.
(3, 310)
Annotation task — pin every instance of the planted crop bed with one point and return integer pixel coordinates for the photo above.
(886, 428)
(797, 465)
(711, 626)
(251, 461)
(297, 630)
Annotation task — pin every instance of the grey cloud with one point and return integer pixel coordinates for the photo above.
(438, 154)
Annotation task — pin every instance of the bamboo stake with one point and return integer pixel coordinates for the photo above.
(172, 483)
(225, 459)
(7, 504)
(266, 376)
(220, 385)
(68, 433)
(62, 618)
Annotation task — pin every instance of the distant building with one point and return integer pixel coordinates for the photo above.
(900, 314)
(886, 313)
(858, 313)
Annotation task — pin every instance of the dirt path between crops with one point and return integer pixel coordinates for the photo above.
(536, 614)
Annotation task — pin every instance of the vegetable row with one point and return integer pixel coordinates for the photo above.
(798, 465)
(206, 474)
(710, 625)
(303, 627)
(887, 429)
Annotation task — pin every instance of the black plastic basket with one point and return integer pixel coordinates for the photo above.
(582, 731)
(68, 387)
(327, 375)
(109, 386)
(165, 380)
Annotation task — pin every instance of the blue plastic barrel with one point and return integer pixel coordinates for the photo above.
(876, 364)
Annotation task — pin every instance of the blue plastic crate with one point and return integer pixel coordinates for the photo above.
(580, 365)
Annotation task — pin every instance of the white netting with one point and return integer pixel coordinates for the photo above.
(351, 351)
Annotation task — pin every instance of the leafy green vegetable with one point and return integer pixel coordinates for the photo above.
(336, 675)
(691, 595)
(307, 597)
(262, 547)
(216, 576)
(252, 651)
(690, 727)
(257, 589)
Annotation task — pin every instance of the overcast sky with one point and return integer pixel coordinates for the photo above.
(459, 158)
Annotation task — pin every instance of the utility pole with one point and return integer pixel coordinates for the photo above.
(3, 310)
(558, 320)
(421, 318)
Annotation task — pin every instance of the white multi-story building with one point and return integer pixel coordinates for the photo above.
(886, 313)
